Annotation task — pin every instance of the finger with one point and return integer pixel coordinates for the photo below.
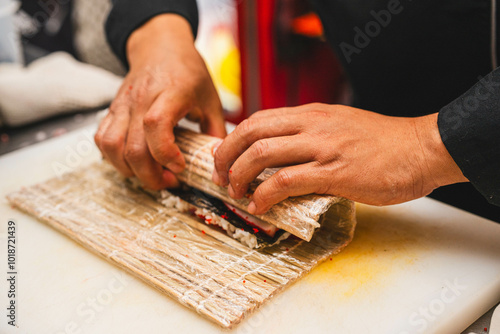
(107, 138)
(287, 182)
(248, 132)
(159, 123)
(103, 125)
(267, 153)
(114, 138)
(213, 122)
(138, 157)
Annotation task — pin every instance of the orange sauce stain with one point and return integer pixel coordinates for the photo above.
(381, 246)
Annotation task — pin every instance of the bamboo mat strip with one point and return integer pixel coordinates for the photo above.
(298, 215)
(193, 263)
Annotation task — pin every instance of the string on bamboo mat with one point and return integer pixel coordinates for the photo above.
(197, 265)
(297, 215)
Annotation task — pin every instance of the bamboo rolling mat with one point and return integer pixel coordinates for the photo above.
(298, 215)
(195, 264)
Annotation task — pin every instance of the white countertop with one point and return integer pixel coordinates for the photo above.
(419, 267)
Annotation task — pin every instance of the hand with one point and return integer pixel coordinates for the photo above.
(337, 150)
(168, 80)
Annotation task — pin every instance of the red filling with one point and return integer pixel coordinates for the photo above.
(256, 223)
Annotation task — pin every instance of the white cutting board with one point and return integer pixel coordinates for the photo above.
(420, 267)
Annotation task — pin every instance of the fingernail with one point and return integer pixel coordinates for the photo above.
(251, 208)
(174, 167)
(230, 191)
(215, 177)
(215, 147)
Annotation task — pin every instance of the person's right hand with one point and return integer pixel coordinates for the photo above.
(167, 81)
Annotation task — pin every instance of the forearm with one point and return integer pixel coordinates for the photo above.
(127, 16)
(165, 33)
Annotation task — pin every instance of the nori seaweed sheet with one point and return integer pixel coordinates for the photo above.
(204, 201)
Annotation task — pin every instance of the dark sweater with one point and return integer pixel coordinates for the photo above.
(403, 58)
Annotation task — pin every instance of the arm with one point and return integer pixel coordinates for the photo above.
(167, 81)
(338, 150)
(128, 15)
(370, 158)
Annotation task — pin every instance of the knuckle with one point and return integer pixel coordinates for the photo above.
(260, 149)
(134, 153)
(283, 179)
(316, 113)
(246, 126)
(151, 120)
(110, 144)
(316, 110)
(117, 106)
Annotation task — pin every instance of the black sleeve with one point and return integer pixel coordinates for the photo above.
(470, 129)
(128, 15)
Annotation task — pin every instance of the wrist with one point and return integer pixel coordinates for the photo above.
(441, 169)
(165, 33)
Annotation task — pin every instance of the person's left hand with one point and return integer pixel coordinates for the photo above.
(337, 150)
